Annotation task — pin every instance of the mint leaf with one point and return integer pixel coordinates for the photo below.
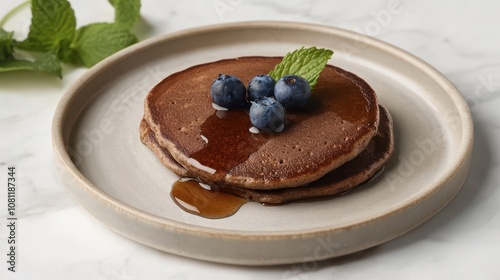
(52, 22)
(127, 12)
(97, 41)
(6, 44)
(49, 64)
(306, 63)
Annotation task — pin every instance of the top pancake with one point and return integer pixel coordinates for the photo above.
(336, 125)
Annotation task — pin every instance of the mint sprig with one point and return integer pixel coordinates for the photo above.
(307, 63)
(53, 33)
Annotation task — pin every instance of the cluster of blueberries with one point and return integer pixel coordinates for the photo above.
(268, 98)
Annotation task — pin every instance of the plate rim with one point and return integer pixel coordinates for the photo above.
(59, 148)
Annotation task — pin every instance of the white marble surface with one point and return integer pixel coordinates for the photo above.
(57, 239)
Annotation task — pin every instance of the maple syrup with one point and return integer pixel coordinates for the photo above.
(229, 142)
(196, 198)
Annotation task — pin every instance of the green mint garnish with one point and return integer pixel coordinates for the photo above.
(53, 33)
(306, 63)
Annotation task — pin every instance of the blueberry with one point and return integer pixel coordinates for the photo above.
(292, 91)
(228, 91)
(261, 86)
(267, 113)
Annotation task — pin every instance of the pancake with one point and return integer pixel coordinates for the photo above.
(349, 175)
(339, 121)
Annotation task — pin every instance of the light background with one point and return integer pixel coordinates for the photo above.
(60, 240)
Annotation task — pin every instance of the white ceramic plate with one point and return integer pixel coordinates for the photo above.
(119, 180)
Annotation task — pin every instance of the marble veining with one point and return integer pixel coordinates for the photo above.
(60, 240)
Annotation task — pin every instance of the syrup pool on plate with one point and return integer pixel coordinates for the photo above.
(198, 199)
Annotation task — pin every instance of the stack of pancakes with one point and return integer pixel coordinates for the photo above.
(341, 139)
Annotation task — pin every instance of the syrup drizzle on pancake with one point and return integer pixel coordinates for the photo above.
(228, 141)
